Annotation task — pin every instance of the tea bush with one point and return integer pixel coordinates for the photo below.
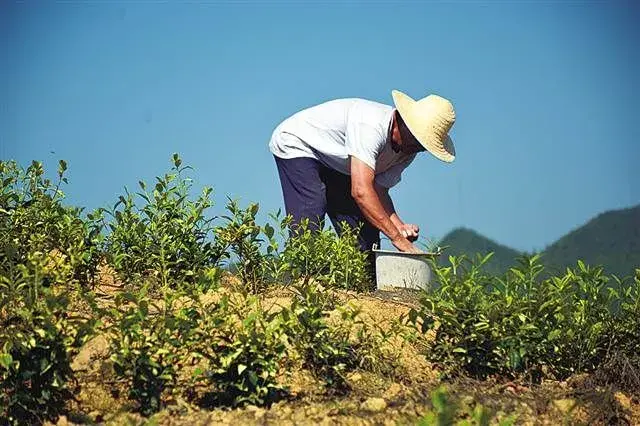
(46, 249)
(519, 325)
(332, 260)
(174, 330)
(330, 349)
(33, 219)
(167, 237)
(242, 346)
(233, 343)
(38, 340)
(260, 259)
(145, 336)
(243, 242)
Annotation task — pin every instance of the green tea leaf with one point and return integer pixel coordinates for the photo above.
(62, 167)
(6, 360)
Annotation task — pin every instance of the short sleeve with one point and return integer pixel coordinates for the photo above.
(393, 176)
(363, 140)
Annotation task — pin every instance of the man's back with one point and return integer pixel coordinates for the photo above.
(335, 129)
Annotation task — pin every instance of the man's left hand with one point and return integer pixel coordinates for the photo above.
(410, 231)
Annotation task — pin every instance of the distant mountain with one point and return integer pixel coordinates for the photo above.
(469, 242)
(611, 239)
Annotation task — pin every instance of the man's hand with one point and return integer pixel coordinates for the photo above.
(410, 231)
(405, 245)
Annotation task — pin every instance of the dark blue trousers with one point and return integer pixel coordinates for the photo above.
(312, 190)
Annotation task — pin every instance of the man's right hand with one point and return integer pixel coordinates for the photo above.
(404, 245)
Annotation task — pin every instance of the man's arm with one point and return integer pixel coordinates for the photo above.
(364, 192)
(409, 231)
(387, 203)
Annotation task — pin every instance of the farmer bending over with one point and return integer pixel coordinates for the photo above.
(341, 158)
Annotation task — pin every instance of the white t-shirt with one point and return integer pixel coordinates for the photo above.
(334, 130)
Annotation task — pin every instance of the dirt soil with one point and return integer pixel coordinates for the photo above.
(400, 398)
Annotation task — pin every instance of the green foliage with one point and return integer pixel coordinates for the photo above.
(173, 329)
(330, 349)
(169, 254)
(145, 338)
(447, 412)
(235, 345)
(522, 325)
(167, 237)
(242, 346)
(242, 240)
(334, 261)
(45, 250)
(325, 351)
(38, 339)
(33, 219)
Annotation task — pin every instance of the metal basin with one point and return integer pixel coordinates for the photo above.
(395, 269)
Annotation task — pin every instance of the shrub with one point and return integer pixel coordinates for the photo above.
(168, 237)
(242, 240)
(329, 259)
(520, 325)
(329, 349)
(259, 259)
(33, 219)
(241, 346)
(232, 348)
(145, 337)
(46, 248)
(325, 353)
(39, 339)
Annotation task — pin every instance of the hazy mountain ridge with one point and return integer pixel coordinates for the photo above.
(467, 241)
(611, 239)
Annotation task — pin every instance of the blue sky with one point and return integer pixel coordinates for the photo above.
(547, 96)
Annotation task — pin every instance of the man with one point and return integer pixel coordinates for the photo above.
(341, 158)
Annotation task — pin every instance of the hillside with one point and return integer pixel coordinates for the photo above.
(611, 239)
(466, 241)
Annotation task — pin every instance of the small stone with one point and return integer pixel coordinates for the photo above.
(374, 405)
(259, 413)
(623, 400)
(312, 411)
(355, 377)
(96, 416)
(467, 400)
(393, 391)
(251, 408)
(389, 422)
(564, 405)
(325, 421)
(511, 389)
(62, 421)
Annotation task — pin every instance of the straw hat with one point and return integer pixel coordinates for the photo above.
(429, 120)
